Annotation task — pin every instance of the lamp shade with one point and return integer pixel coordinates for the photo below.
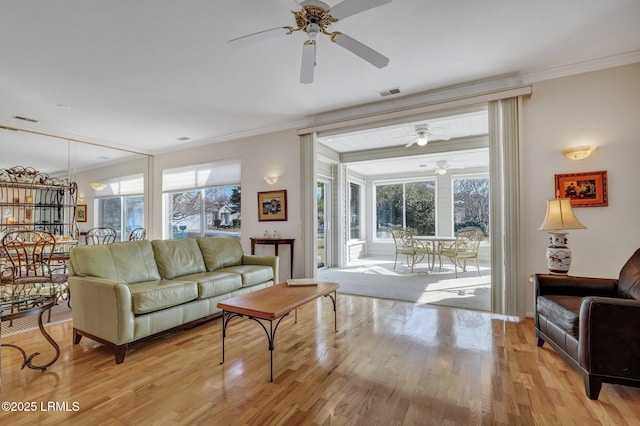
(560, 216)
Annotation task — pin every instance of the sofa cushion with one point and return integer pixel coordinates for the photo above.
(563, 311)
(212, 284)
(251, 274)
(220, 252)
(152, 296)
(134, 261)
(629, 280)
(93, 261)
(176, 258)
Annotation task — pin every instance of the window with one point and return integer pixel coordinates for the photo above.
(203, 200)
(121, 205)
(205, 212)
(471, 203)
(405, 205)
(354, 210)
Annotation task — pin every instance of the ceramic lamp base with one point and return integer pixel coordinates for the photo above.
(558, 254)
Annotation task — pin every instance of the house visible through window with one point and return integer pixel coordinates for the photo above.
(203, 200)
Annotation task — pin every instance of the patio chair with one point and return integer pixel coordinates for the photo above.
(138, 234)
(99, 236)
(406, 245)
(464, 247)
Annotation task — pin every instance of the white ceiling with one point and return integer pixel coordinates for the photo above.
(142, 73)
(448, 130)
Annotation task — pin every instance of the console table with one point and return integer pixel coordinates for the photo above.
(274, 242)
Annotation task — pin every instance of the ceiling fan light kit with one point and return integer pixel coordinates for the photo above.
(421, 136)
(317, 17)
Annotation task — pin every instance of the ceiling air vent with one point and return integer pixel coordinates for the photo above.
(389, 92)
(184, 138)
(31, 120)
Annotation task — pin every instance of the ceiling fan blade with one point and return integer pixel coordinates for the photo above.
(259, 36)
(365, 52)
(308, 62)
(410, 143)
(351, 7)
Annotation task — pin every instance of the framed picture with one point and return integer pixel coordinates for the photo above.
(81, 213)
(588, 189)
(272, 205)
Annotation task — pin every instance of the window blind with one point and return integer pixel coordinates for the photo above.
(224, 172)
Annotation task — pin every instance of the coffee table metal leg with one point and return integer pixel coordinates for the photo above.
(271, 333)
(226, 318)
(271, 337)
(334, 298)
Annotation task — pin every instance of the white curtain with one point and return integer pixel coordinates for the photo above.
(505, 165)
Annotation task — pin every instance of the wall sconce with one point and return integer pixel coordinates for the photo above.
(579, 152)
(271, 180)
(97, 186)
(81, 197)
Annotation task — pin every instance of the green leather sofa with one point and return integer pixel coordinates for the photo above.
(127, 292)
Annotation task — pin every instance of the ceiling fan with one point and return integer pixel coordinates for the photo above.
(317, 17)
(421, 137)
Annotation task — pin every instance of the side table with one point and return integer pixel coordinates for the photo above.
(24, 307)
(274, 242)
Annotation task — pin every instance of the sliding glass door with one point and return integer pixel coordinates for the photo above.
(323, 191)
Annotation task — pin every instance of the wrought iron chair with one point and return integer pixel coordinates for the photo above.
(464, 247)
(407, 246)
(29, 272)
(99, 236)
(138, 234)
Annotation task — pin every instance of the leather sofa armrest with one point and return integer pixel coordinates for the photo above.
(272, 261)
(103, 308)
(574, 286)
(608, 336)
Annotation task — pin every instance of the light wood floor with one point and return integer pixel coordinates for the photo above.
(390, 363)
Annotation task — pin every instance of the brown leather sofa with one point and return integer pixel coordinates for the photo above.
(594, 323)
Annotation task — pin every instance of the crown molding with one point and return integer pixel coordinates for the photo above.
(584, 67)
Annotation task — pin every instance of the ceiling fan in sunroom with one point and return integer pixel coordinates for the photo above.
(316, 18)
(422, 133)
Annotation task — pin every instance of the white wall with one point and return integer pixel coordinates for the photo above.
(267, 155)
(600, 108)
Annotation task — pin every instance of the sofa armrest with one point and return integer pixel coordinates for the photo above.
(272, 261)
(574, 286)
(608, 336)
(103, 308)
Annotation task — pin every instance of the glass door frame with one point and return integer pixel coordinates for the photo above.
(326, 229)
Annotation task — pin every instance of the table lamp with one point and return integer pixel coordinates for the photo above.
(559, 218)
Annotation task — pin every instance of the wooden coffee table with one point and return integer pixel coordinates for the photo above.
(274, 304)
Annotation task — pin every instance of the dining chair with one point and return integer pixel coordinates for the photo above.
(406, 245)
(464, 247)
(138, 234)
(29, 272)
(100, 236)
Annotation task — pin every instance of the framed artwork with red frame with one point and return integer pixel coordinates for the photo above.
(587, 189)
